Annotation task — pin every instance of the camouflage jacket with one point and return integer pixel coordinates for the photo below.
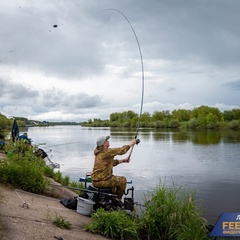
(104, 162)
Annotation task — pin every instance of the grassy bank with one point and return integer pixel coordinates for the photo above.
(23, 168)
(171, 213)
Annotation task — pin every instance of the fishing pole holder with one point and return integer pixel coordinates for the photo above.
(105, 198)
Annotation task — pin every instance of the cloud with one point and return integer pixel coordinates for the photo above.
(89, 65)
(234, 85)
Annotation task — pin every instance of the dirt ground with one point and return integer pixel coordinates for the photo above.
(28, 216)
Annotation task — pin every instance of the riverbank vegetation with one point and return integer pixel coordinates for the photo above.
(171, 213)
(202, 117)
(25, 169)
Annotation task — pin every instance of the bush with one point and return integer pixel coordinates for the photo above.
(234, 124)
(24, 169)
(115, 225)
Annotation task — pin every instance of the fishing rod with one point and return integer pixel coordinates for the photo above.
(141, 58)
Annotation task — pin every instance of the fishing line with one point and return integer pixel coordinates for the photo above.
(140, 52)
(61, 144)
(49, 148)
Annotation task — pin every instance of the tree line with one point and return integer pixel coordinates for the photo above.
(199, 117)
(6, 123)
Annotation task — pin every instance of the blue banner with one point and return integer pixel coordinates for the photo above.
(228, 225)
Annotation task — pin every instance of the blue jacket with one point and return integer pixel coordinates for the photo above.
(25, 139)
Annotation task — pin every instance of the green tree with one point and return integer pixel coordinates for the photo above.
(145, 119)
(228, 115)
(4, 122)
(182, 115)
(193, 123)
(201, 113)
(234, 124)
(174, 123)
(236, 114)
(212, 120)
(164, 115)
(114, 117)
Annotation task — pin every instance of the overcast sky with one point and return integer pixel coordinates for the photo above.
(89, 65)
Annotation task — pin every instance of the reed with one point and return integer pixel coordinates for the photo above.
(173, 213)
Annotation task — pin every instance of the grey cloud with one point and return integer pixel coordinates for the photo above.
(166, 29)
(86, 101)
(59, 100)
(234, 85)
(16, 93)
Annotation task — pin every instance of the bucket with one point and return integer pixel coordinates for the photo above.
(84, 206)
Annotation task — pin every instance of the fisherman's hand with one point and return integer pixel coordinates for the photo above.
(132, 143)
(126, 160)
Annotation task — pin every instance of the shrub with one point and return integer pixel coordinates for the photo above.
(234, 124)
(115, 225)
(24, 169)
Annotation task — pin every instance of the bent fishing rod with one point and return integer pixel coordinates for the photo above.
(141, 58)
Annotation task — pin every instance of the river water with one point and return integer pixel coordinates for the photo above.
(205, 162)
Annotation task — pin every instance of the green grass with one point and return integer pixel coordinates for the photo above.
(171, 214)
(26, 170)
(62, 222)
(113, 224)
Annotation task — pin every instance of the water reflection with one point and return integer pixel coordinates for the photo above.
(206, 137)
(231, 136)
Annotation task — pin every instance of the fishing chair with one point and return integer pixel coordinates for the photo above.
(105, 198)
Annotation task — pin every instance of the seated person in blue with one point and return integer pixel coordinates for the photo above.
(25, 138)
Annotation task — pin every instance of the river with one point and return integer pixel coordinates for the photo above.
(203, 161)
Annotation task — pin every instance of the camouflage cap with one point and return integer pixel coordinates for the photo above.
(102, 140)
